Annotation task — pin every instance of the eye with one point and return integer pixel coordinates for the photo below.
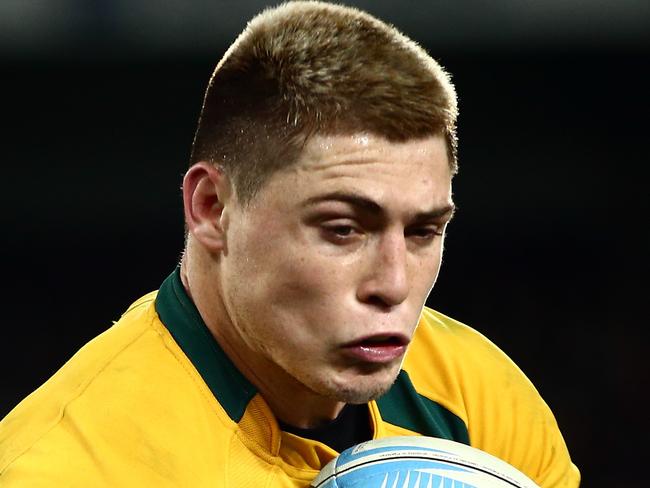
(341, 230)
(425, 233)
(340, 233)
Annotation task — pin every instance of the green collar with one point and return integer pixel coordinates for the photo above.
(402, 405)
(179, 314)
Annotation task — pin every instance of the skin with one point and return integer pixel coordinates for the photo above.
(343, 245)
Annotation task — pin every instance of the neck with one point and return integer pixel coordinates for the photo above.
(289, 400)
(296, 405)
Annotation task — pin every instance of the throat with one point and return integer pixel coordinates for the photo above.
(351, 427)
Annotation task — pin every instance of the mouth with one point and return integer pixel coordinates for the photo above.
(379, 340)
(378, 348)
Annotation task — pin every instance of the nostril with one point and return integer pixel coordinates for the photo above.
(379, 302)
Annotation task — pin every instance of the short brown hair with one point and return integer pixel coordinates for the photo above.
(310, 67)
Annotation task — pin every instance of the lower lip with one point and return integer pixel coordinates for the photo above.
(375, 353)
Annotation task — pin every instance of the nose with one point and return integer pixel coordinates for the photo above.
(386, 282)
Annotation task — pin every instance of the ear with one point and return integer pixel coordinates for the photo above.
(206, 190)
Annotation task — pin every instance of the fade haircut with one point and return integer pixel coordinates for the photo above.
(306, 68)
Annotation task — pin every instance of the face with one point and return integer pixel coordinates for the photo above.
(326, 271)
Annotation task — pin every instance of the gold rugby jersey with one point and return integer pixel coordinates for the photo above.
(154, 401)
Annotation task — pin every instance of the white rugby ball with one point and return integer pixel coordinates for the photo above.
(418, 462)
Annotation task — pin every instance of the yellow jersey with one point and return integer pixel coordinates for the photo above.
(154, 401)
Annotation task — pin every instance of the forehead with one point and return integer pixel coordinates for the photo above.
(415, 172)
(403, 179)
(330, 151)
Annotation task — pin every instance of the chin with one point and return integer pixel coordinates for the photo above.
(358, 396)
(362, 388)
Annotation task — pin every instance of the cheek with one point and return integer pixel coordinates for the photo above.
(424, 273)
(289, 309)
(286, 284)
(287, 268)
(306, 284)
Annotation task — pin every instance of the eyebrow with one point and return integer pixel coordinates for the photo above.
(370, 206)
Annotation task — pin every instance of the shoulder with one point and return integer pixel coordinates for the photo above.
(45, 407)
(462, 357)
(87, 410)
(453, 364)
(461, 369)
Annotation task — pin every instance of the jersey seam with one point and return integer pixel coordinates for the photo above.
(278, 462)
(279, 466)
(248, 439)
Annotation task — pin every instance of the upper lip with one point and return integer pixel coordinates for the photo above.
(395, 337)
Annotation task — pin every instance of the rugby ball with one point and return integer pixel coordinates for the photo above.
(418, 462)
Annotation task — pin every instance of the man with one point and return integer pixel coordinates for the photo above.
(316, 205)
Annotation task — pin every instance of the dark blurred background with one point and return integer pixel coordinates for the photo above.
(547, 255)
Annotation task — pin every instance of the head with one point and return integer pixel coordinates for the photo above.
(308, 68)
(317, 199)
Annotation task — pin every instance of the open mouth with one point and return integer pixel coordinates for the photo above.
(390, 340)
(380, 340)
